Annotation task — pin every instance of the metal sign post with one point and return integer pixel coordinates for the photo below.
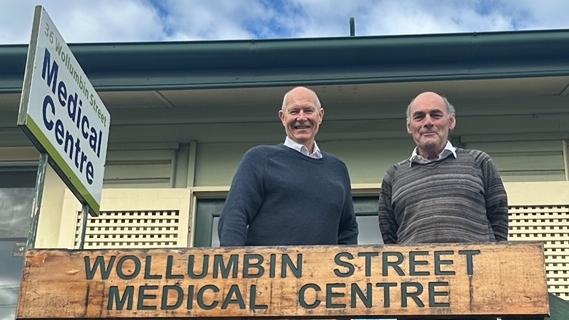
(36, 204)
(84, 217)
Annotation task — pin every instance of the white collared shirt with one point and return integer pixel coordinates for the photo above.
(317, 154)
(448, 150)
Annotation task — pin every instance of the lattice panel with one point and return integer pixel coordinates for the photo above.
(131, 229)
(549, 224)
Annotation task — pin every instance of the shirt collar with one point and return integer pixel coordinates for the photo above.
(447, 151)
(317, 154)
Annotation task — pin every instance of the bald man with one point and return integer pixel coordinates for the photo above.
(291, 193)
(441, 194)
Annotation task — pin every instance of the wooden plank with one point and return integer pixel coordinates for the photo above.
(311, 281)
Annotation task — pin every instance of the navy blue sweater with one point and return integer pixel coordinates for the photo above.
(282, 197)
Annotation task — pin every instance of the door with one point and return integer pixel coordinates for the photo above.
(209, 210)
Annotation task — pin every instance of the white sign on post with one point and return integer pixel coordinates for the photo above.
(62, 114)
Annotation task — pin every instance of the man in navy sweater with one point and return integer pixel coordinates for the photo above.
(291, 193)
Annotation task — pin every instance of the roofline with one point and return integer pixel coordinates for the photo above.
(316, 61)
(519, 33)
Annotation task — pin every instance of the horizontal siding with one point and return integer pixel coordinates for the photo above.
(139, 168)
(216, 163)
(526, 161)
(368, 159)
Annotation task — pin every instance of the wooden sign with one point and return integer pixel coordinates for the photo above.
(312, 281)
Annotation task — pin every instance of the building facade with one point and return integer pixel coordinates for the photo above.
(183, 114)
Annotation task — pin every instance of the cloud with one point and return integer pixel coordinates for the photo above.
(110, 21)
(155, 20)
(213, 19)
(85, 21)
(535, 15)
(419, 18)
(325, 18)
(16, 22)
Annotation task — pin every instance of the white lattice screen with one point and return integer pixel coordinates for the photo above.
(549, 224)
(131, 218)
(131, 229)
(538, 212)
(160, 229)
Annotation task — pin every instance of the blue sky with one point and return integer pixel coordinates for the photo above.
(187, 20)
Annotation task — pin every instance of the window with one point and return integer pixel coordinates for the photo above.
(16, 195)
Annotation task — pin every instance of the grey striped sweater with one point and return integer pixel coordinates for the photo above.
(458, 199)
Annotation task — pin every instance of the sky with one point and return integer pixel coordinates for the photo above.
(81, 21)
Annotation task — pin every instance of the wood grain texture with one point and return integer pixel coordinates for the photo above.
(312, 281)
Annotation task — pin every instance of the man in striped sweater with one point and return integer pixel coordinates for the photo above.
(441, 194)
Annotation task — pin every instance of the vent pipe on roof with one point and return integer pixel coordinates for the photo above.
(352, 27)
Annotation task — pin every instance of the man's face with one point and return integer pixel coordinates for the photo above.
(301, 117)
(430, 123)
